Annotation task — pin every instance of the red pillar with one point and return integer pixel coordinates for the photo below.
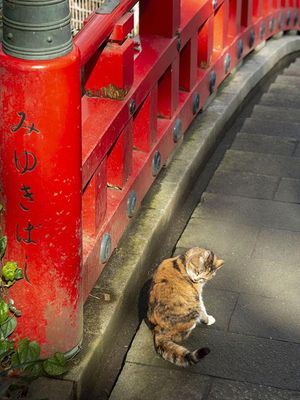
(40, 174)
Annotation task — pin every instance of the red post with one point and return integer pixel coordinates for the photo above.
(40, 152)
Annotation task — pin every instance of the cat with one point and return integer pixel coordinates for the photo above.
(175, 304)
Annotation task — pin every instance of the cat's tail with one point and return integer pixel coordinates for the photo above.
(177, 354)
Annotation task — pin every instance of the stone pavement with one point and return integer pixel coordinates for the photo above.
(250, 216)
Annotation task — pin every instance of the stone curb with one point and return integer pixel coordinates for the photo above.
(111, 312)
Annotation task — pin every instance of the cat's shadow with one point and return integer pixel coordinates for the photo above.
(143, 303)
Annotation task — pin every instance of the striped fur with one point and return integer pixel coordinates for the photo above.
(176, 306)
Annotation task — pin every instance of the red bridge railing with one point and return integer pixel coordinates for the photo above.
(141, 95)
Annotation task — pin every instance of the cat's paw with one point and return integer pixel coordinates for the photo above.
(211, 320)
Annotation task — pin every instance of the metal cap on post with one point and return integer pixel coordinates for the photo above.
(36, 29)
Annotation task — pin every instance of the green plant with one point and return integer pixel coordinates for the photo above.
(19, 360)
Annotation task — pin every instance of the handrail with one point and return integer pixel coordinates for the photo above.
(98, 27)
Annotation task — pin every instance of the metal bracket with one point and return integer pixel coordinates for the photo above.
(108, 7)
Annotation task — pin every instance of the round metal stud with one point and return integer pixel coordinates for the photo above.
(215, 4)
(132, 106)
(272, 24)
(212, 81)
(251, 38)
(196, 103)
(280, 21)
(177, 130)
(105, 248)
(10, 36)
(131, 203)
(240, 48)
(262, 30)
(288, 18)
(227, 62)
(156, 163)
(296, 19)
(49, 39)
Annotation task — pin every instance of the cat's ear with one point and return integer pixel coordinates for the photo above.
(218, 263)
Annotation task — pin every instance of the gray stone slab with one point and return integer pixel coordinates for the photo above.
(288, 80)
(271, 128)
(263, 277)
(280, 88)
(292, 70)
(297, 152)
(225, 239)
(285, 100)
(233, 356)
(220, 304)
(276, 113)
(278, 246)
(269, 164)
(288, 190)
(231, 390)
(267, 317)
(243, 184)
(264, 144)
(242, 210)
(141, 382)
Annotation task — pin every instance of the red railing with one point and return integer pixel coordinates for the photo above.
(141, 96)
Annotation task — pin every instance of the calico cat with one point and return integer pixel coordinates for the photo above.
(175, 304)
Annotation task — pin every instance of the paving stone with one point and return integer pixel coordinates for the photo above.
(232, 390)
(292, 70)
(243, 184)
(288, 80)
(288, 190)
(284, 100)
(233, 356)
(242, 210)
(269, 164)
(140, 382)
(220, 304)
(297, 152)
(264, 144)
(263, 277)
(280, 88)
(224, 239)
(278, 246)
(276, 113)
(271, 128)
(267, 317)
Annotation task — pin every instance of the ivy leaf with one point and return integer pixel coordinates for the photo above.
(7, 327)
(28, 351)
(4, 311)
(9, 270)
(15, 361)
(18, 273)
(55, 365)
(6, 346)
(3, 244)
(35, 369)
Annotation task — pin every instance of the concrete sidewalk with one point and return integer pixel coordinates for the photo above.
(250, 216)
